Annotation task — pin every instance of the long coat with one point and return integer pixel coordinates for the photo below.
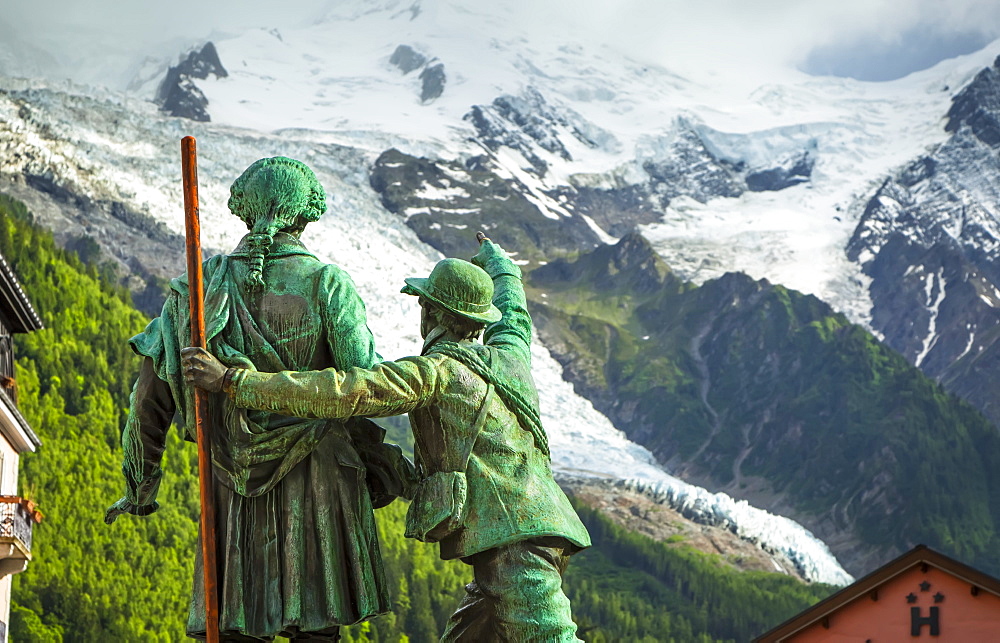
(462, 423)
(297, 542)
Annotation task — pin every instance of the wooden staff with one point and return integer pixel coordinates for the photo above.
(189, 170)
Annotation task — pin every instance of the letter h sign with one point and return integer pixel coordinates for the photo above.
(917, 621)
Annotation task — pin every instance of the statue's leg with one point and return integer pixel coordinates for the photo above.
(473, 620)
(517, 596)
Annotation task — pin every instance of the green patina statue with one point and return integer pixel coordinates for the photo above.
(298, 552)
(486, 492)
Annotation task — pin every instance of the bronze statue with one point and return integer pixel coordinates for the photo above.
(298, 553)
(486, 493)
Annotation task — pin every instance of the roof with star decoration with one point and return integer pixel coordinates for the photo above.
(921, 593)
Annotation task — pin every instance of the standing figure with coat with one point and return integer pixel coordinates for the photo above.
(486, 491)
(298, 553)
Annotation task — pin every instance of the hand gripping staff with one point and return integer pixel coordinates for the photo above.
(192, 225)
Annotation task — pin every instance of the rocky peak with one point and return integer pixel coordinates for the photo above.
(432, 75)
(438, 199)
(791, 171)
(199, 64)
(631, 263)
(407, 59)
(978, 106)
(929, 238)
(432, 80)
(528, 121)
(178, 95)
(684, 165)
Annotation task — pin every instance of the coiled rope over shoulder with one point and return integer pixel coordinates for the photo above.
(526, 413)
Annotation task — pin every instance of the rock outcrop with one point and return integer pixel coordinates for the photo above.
(641, 513)
(929, 238)
(432, 73)
(178, 95)
(407, 59)
(432, 80)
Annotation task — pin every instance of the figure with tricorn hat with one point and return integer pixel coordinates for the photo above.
(486, 493)
(298, 552)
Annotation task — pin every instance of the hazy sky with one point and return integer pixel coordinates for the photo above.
(859, 38)
(867, 39)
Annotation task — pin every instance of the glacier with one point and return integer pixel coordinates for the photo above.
(118, 148)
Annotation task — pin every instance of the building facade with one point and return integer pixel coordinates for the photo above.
(921, 596)
(18, 515)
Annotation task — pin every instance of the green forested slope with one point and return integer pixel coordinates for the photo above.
(88, 580)
(620, 587)
(130, 582)
(750, 384)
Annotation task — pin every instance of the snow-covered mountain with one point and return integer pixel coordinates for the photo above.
(929, 238)
(560, 116)
(103, 168)
(427, 121)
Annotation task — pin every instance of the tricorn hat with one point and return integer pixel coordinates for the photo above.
(460, 287)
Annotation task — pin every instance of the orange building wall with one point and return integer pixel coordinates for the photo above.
(961, 616)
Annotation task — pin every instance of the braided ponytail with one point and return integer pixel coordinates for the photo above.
(272, 195)
(259, 244)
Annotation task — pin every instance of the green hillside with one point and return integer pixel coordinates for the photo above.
(130, 582)
(754, 386)
(628, 587)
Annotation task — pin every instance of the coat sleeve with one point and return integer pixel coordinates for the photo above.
(389, 388)
(151, 409)
(350, 340)
(513, 331)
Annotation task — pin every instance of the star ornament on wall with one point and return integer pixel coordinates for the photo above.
(911, 598)
(925, 586)
(938, 597)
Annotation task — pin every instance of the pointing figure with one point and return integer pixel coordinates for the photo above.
(486, 493)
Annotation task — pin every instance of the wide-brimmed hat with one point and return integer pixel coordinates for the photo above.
(460, 287)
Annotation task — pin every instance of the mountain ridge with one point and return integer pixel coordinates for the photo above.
(616, 143)
(374, 245)
(752, 389)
